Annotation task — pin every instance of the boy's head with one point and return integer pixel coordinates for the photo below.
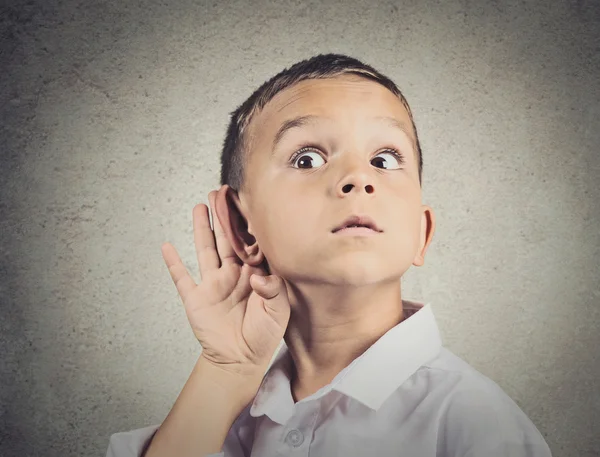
(292, 182)
(236, 149)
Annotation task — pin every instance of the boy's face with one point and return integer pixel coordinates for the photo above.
(291, 208)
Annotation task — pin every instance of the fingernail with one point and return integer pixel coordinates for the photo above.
(261, 280)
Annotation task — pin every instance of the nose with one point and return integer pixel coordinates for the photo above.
(348, 187)
(356, 178)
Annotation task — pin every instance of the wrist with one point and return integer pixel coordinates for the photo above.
(234, 378)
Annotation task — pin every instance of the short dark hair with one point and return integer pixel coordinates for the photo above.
(234, 155)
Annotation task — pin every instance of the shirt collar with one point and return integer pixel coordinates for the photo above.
(371, 378)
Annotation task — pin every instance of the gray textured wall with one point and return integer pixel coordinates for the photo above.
(113, 114)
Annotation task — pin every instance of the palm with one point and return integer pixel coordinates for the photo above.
(235, 322)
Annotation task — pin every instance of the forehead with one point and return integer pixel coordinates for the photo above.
(348, 98)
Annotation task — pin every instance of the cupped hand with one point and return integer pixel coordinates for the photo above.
(238, 321)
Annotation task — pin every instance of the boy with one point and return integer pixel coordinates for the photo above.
(321, 175)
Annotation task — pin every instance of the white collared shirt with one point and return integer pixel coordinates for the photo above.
(405, 396)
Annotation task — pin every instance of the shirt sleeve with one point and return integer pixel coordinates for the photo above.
(488, 422)
(135, 442)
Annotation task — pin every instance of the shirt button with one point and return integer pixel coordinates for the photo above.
(295, 438)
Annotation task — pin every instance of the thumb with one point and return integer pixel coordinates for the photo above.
(274, 294)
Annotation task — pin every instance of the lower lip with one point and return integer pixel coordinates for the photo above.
(356, 231)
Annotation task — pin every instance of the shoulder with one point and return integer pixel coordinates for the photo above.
(475, 416)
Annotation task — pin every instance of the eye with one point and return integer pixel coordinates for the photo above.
(308, 150)
(303, 153)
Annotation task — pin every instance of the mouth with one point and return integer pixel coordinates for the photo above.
(357, 225)
(356, 231)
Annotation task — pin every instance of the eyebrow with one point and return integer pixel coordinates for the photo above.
(302, 121)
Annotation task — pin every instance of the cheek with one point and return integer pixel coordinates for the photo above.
(287, 230)
(287, 238)
(410, 226)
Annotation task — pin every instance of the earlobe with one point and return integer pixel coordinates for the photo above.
(235, 226)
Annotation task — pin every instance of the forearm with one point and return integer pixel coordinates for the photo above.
(205, 410)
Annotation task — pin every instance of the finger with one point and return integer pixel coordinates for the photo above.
(274, 292)
(179, 274)
(204, 241)
(225, 251)
(275, 297)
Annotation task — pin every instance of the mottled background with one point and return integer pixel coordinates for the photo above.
(113, 114)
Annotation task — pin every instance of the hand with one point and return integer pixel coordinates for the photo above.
(238, 321)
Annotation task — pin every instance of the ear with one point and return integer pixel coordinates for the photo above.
(229, 210)
(426, 235)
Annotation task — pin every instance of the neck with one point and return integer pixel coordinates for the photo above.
(325, 336)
